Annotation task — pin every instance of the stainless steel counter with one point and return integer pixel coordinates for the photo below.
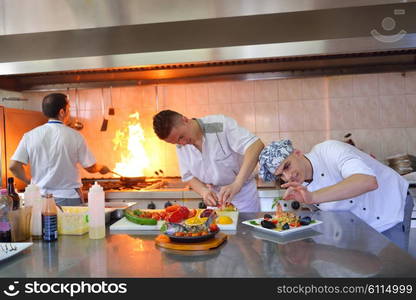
(343, 246)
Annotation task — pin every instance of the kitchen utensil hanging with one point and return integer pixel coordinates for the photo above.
(105, 121)
(77, 124)
(111, 111)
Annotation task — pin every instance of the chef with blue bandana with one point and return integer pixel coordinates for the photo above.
(337, 176)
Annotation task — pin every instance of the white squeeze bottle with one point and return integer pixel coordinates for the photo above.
(33, 198)
(96, 212)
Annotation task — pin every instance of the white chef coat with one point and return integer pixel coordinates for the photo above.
(223, 146)
(53, 151)
(333, 161)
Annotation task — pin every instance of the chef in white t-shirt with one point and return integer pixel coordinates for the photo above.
(216, 157)
(337, 176)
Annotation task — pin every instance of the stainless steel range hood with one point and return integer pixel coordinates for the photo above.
(193, 39)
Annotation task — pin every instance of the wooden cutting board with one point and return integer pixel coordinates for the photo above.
(206, 245)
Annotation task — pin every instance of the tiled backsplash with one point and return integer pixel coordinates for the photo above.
(378, 109)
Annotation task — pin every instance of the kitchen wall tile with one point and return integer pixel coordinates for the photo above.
(220, 109)
(316, 115)
(156, 155)
(198, 111)
(393, 141)
(367, 112)
(266, 117)
(365, 85)
(315, 88)
(339, 86)
(368, 140)
(338, 134)
(171, 161)
(297, 138)
(147, 99)
(243, 114)
(311, 138)
(411, 110)
(291, 115)
(341, 114)
(123, 97)
(197, 94)
(393, 111)
(266, 90)
(268, 137)
(411, 140)
(219, 92)
(290, 89)
(242, 91)
(174, 95)
(410, 82)
(391, 84)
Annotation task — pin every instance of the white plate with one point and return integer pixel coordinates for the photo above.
(283, 232)
(9, 249)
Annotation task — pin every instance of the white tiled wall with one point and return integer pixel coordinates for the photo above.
(378, 109)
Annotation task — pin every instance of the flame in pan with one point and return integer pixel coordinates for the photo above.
(129, 143)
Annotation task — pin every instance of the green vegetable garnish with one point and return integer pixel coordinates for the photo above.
(254, 223)
(276, 200)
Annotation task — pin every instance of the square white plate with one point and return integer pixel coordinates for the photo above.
(9, 249)
(283, 232)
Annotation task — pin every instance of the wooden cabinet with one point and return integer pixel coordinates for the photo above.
(13, 124)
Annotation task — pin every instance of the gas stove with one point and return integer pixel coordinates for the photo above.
(115, 184)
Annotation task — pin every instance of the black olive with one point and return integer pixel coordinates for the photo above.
(167, 204)
(268, 224)
(295, 205)
(285, 226)
(201, 205)
(267, 216)
(151, 205)
(305, 221)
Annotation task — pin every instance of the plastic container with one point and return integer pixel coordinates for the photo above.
(96, 212)
(73, 221)
(33, 198)
(31, 193)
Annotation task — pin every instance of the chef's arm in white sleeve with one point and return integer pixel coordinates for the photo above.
(208, 195)
(250, 159)
(95, 168)
(350, 187)
(16, 167)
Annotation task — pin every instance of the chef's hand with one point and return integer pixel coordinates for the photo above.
(227, 193)
(209, 197)
(298, 192)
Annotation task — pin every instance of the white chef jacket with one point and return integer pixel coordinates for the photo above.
(223, 146)
(333, 161)
(53, 151)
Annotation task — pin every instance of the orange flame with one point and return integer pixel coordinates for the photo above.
(129, 143)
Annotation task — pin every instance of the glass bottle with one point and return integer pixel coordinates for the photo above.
(5, 205)
(49, 219)
(12, 193)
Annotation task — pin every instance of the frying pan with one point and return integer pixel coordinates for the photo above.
(130, 180)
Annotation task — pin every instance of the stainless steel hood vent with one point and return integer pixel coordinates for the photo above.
(298, 43)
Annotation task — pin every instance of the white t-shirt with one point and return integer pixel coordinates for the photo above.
(333, 161)
(53, 151)
(223, 147)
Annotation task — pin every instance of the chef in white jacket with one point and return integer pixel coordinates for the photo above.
(337, 176)
(216, 157)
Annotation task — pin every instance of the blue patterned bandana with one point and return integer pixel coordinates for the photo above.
(272, 156)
